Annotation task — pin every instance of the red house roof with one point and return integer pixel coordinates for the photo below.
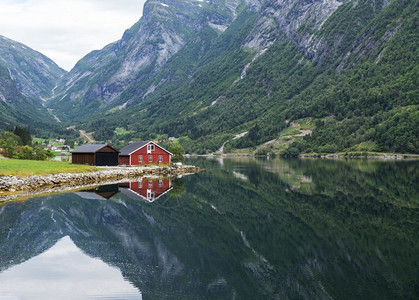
(131, 148)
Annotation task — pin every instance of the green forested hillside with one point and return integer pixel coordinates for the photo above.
(360, 88)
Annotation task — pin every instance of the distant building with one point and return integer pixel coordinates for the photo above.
(95, 155)
(144, 153)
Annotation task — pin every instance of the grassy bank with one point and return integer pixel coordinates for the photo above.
(17, 167)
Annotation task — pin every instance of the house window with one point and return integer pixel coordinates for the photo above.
(140, 159)
(150, 184)
(150, 158)
(140, 184)
(150, 147)
(160, 183)
(160, 158)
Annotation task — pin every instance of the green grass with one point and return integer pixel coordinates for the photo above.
(366, 146)
(122, 131)
(306, 123)
(38, 140)
(17, 167)
(289, 131)
(42, 141)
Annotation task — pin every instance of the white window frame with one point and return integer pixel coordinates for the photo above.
(150, 158)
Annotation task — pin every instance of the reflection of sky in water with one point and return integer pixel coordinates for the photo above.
(65, 272)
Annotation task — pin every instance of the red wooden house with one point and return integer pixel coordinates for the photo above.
(147, 189)
(144, 153)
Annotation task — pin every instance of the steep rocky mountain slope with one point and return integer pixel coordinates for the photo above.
(119, 74)
(16, 109)
(27, 80)
(34, 74)
(211, 70)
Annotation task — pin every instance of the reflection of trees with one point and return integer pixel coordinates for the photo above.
(360, 209)
(178, 187)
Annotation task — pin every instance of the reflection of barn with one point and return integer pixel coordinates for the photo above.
(95, 155)
(103, 192)
(147, 189)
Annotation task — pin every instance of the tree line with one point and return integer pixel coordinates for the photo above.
(17, 143)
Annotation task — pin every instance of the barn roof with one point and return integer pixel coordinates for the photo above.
(128, 150)
(91, 148)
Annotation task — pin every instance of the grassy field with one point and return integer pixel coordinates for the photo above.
(19, 167)
(122, 131)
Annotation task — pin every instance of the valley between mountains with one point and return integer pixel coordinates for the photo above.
(244, 76)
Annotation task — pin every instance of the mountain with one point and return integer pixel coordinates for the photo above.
(34, 74)
(258, 76)
(123, 72)
(294, 76)
(16, 109)
(27, 79)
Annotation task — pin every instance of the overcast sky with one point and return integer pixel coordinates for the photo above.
(66, 30)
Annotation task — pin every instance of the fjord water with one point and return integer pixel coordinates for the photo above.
(241, 229)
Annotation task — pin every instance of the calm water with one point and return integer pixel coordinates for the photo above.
(242, 229)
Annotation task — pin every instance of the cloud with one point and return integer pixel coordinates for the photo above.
(66, 30)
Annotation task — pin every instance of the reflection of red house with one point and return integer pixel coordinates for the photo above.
(147, 189)
(144, 153)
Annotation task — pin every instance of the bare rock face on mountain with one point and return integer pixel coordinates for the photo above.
(16, 109)
(295, 20)
(34, 74)
(101, 78)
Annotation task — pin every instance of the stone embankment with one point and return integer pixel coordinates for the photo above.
(11, 184)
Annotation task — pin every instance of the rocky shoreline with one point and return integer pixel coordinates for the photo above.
(14, 184)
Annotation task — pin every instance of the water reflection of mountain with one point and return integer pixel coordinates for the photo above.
(75, 276)
(351, 235)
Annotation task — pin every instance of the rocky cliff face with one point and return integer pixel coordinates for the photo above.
(34, 74)
(130, 70)
(9, 94)
(310, 25)
(16, 109)
(295, 20)
(103, 76)
(11, 101)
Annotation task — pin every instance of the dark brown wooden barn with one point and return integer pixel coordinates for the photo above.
(95, 155)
